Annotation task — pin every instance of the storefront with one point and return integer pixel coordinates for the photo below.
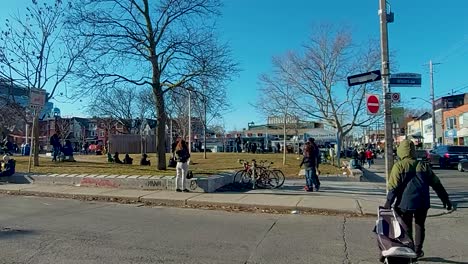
(463, 137)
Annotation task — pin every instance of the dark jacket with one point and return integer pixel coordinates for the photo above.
(182, 155)
(410, 179)
(8, 168)
(308, 162)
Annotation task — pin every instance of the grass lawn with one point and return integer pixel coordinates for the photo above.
(87, 164)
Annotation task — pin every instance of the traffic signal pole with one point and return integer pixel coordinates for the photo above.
(386, 89)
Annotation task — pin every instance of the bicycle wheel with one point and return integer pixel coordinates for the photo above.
(238, 176)
(246, 177)
(281, 177)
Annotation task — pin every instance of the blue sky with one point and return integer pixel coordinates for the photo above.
(260, 29)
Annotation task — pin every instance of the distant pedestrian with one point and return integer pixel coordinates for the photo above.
(56, 146)
(238, 143)
(117, 159)
(310, 169)
(314, 154)
(144, 160)
(254, 147)
(127, 159)
(182, 156)
(278, 147)
(369, 156)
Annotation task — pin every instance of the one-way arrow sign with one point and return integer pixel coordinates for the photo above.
(364, 78)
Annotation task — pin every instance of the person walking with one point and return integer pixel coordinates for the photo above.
(182, 156)
(369, 155)
(309, 167)
(408, 192)
(56, 146)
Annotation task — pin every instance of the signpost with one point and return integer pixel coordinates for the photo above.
(405, 80)
(373, 104)
(364, 78)
(395, 97)
(37, 100)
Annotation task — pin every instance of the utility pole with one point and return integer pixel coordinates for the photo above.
(431, 73)
(190, 121)
(386, 88)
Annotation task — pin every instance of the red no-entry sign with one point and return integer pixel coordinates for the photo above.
(373, 104)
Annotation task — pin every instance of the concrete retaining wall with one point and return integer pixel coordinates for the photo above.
(143, 182)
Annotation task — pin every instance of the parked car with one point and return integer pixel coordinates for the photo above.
(463, 165)
(446, 156)
(422, 155)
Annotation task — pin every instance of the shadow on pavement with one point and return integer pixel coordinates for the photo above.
(441, 260)
(6, 232)
(370, 176)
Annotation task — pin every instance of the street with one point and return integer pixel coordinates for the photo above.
(48, 230)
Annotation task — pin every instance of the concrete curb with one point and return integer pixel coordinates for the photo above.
(141, 182)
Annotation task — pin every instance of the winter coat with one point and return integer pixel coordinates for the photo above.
(410, 179)
(182, 155)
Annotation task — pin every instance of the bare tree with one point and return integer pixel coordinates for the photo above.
(158, 45)
(39, 51)
(277, 97)
(63, 128)
(118, 103)
(318, 74)
(210, 105)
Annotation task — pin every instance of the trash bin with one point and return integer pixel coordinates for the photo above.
(26, 150)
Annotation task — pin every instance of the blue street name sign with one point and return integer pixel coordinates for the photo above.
(405, 80)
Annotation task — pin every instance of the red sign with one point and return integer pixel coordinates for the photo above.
(373, 104)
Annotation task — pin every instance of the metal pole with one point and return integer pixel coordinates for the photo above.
(204, 126)
(189, 121)
(434, 136)
(32, 142)
(386, 88)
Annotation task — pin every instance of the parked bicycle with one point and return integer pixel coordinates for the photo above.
(259, 175)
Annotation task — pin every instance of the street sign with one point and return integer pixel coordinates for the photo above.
(395, 97)
(364, 78)
(373, 104)
(37, 98)
(405, 80)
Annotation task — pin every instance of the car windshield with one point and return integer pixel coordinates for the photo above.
(458, 149)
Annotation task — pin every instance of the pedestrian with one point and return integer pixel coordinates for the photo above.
(309, 167)
(278, 147)
(117, 159)
(182, 156)
(127, 159)
(56, 146)
(254, 148)
(408, 191)
(7, 167)
(368, 155)
(314, 153)
(144, 160)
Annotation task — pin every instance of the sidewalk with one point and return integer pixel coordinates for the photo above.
(355, 198)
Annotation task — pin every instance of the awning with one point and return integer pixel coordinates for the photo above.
(463, 132)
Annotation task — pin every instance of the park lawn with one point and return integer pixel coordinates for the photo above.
(215, 162)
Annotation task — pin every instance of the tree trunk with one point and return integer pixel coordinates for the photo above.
(161, 127)
(36, 139)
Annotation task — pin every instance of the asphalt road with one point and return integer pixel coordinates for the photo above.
(46, 230)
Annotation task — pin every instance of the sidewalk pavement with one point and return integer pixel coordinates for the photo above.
(355, 198)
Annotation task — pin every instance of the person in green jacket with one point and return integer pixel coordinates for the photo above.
(408, 187)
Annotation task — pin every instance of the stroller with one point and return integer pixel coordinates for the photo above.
(396, 245)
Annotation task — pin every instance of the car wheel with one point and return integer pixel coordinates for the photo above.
(460, 167)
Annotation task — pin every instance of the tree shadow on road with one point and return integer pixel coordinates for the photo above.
(441, 260)
(370, 176)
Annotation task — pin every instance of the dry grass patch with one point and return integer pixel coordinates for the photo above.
(215, 162)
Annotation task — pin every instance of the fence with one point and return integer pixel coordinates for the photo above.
(132, 144)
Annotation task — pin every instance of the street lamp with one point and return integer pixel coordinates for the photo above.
(434, 137)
